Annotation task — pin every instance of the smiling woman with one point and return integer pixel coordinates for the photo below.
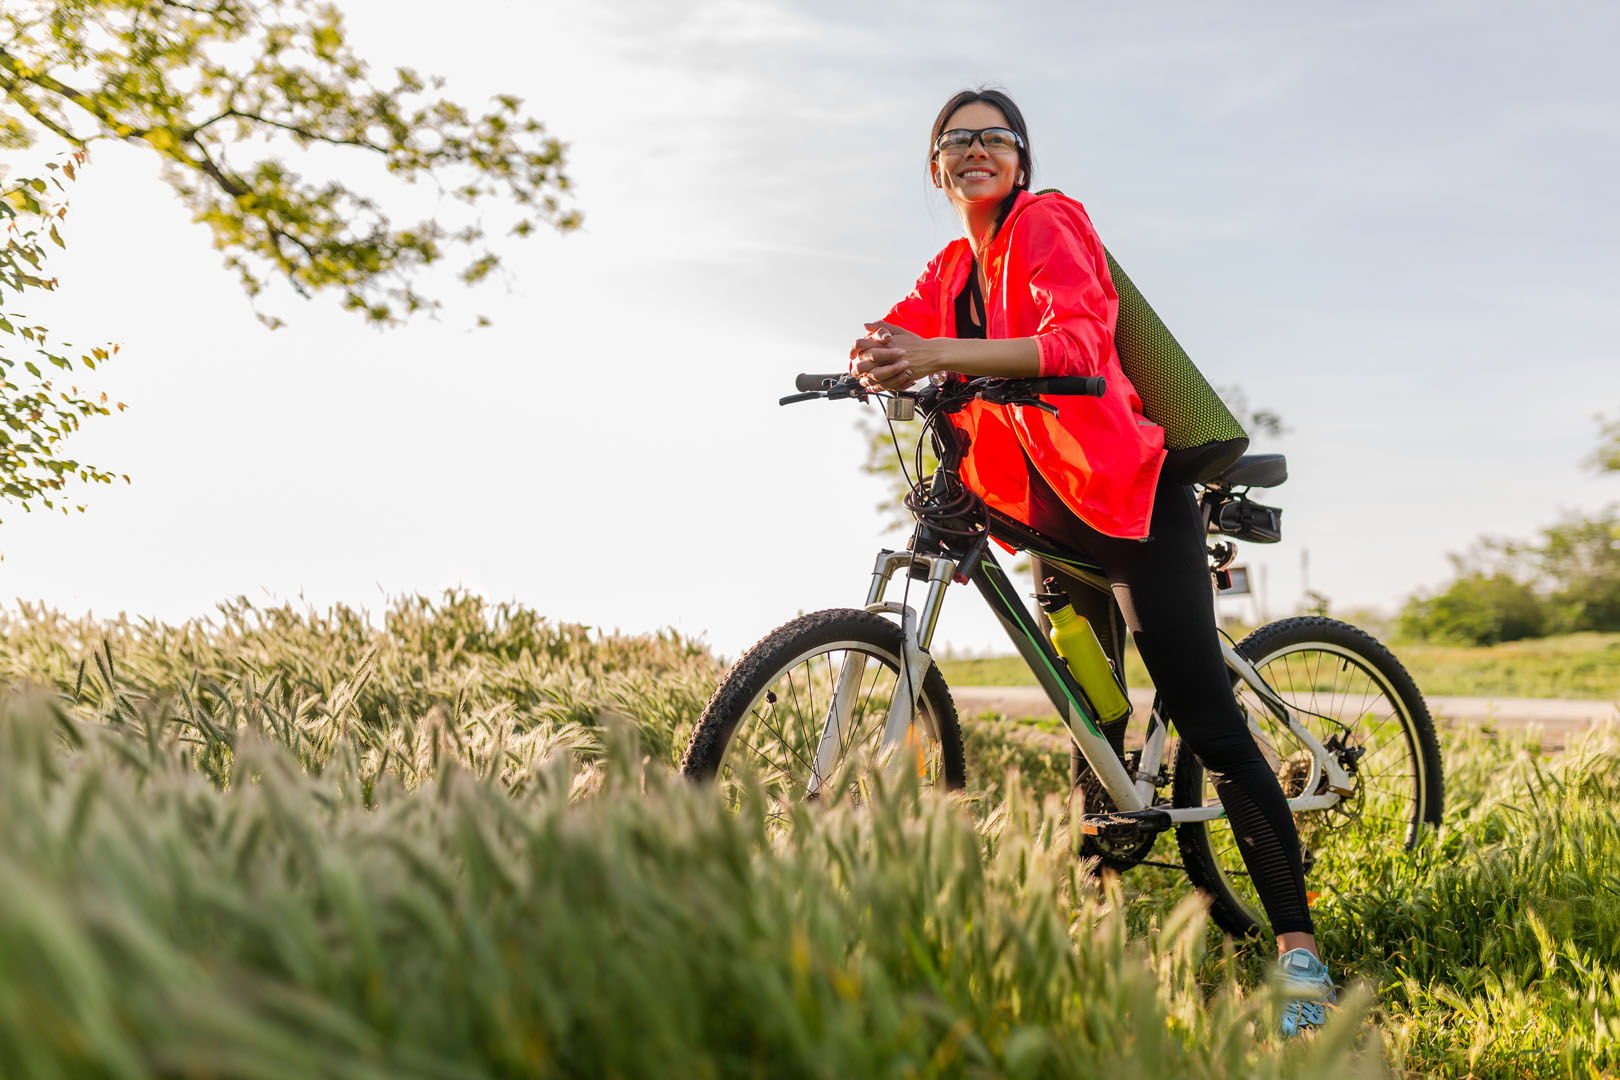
(1027, 291)
(1007, 138)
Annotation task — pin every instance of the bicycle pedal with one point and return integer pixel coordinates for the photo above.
(1123, 826)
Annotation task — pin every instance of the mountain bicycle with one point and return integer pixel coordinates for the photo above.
(1333, 711)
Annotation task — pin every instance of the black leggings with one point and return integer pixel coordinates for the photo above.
(1163, 590)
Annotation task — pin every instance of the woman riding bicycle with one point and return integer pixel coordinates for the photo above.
(1027, 293)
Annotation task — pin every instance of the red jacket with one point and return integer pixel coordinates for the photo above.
(1049, 281)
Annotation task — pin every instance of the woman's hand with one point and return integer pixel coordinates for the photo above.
(892, 358)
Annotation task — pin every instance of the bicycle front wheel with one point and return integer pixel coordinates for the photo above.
(1356, 698)
(812, 698)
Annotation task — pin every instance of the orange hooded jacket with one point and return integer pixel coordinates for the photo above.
(1049, 281)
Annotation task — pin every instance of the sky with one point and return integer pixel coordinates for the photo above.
(1391, 223)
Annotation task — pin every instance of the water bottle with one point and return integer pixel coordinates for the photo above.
(1076, 642)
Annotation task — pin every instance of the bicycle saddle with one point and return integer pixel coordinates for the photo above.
(1254, 470)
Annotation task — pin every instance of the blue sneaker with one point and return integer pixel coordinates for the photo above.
(1309, 991)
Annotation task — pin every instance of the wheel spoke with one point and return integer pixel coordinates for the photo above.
(877, 676)
(854, 742)
(781, 736)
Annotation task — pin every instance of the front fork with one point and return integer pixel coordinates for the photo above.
(917, 633)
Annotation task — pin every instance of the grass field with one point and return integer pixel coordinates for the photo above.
(1574, 666)
(281, 845)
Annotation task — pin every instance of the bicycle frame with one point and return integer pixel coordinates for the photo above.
(936, 558)
(1068, 698)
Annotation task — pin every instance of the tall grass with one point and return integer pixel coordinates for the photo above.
(287, 844)
(510, 687)
(602, 920)
(1497, 951)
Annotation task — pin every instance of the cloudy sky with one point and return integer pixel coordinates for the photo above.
(1393, 225)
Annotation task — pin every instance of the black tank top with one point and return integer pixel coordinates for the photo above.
(970, 302)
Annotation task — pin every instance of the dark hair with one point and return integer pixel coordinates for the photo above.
(1015, 120)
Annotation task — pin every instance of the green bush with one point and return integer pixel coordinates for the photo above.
(1476, 609)
(1504, 590)
(1581, 556)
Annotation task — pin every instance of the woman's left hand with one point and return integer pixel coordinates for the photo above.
(892, 358)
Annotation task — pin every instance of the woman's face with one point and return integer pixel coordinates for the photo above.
(975, 175)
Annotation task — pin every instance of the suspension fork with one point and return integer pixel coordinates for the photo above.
(916, 634)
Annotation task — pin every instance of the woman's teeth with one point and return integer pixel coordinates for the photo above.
(976, 174)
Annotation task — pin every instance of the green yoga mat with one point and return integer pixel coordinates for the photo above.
(1201, 435)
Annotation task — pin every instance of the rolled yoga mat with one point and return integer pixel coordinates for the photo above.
(1201, 436)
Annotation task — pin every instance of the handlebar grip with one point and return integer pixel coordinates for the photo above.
(816, 382)
(1080, 385)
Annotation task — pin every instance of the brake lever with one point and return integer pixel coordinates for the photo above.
(833, 393)
(1035, 403)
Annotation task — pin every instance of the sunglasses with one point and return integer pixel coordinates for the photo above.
(993, 139)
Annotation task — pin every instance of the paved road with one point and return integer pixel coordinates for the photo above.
(1560, 721)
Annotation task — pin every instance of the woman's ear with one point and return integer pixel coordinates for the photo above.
(933, 172)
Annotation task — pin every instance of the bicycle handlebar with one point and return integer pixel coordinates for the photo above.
(1053, 385)
(950, 395)
(1077, 385)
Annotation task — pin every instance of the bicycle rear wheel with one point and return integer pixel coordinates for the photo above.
(1356, 698)
(771, 709)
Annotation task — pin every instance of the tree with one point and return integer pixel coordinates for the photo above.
(1257, 422)
(1507, 589)
(1477, 608)
(1580, 559)
(36, 414)
(1567, 581)
(1605, 457)
(220, 89)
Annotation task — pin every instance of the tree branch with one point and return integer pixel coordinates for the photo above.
(294, 129)
(51, 84)
(215, 11)
(227, 183)
(45, 121)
